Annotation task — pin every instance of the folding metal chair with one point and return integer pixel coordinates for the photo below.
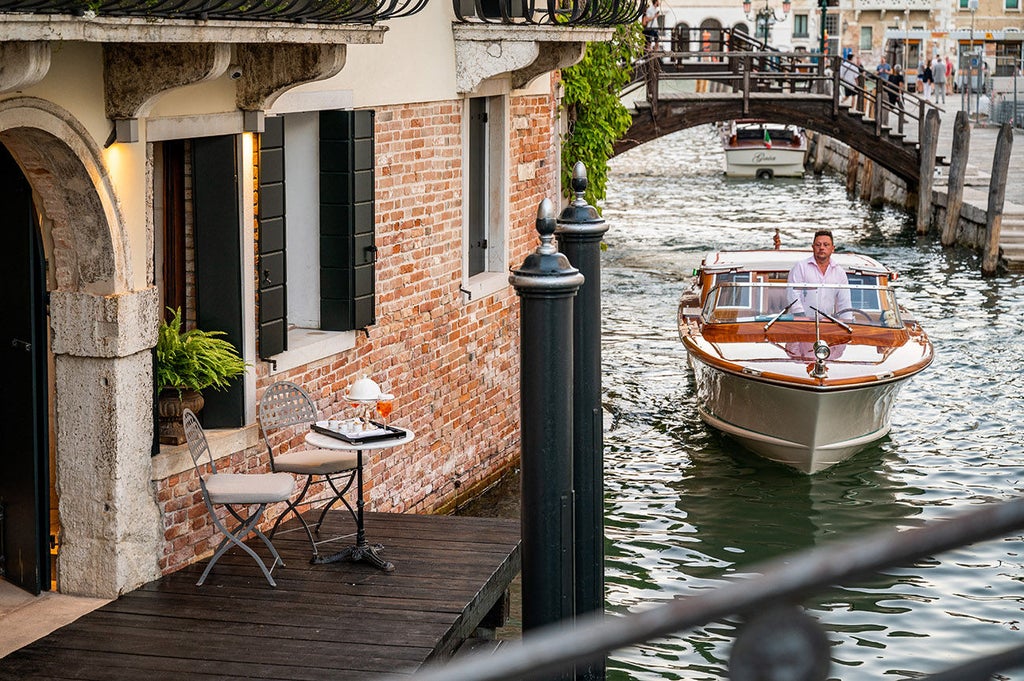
(284, 405)
(238, 493)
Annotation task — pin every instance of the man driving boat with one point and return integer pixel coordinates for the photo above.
(819, 269)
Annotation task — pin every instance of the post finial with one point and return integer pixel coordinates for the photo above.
(546, 226)
(579, 180)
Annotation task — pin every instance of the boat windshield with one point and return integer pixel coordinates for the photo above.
(865, 304)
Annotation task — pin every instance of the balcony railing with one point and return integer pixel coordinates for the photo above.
(550, 12)
(293, 11)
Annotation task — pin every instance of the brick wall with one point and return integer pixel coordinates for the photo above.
(452, 364)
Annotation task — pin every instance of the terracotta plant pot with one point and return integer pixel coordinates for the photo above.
(170, 407)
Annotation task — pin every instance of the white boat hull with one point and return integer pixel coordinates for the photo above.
(807, 429)
(764, 162)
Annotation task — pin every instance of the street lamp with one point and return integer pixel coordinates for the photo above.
(765, 17)
(824, 10)
(973, 6)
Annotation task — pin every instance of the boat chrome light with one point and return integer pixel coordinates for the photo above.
(821, 353)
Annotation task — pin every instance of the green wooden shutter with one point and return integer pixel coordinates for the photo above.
(272, 266)
(218, 257)
(478, 185)
(347, 247)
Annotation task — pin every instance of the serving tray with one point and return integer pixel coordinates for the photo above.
(382, 432)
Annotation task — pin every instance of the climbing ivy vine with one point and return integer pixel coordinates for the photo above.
(596, 116)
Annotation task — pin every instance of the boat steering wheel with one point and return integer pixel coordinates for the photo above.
(857, 311)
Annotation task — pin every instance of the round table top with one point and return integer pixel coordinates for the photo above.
(321, 441)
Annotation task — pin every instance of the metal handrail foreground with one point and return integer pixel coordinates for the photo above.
(782, 582)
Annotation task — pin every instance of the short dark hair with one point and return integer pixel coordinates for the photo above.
(825, 232)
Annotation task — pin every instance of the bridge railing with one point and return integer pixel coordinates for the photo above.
(725, 61)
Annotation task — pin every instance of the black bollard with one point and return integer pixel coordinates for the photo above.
(546, 284)
(579, 234)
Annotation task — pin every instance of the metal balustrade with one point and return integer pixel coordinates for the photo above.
(525, 12)
(293, 11)
(550, 12)
(768, 603)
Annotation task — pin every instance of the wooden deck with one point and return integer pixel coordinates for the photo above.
(340, 620)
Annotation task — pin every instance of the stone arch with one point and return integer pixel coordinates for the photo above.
(101, 333)
(86, 237)
(682, 38)
(813, 114)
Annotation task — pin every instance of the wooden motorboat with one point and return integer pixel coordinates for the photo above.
(764, 150)
(806, 392)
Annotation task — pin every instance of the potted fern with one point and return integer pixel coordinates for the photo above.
(186, 364)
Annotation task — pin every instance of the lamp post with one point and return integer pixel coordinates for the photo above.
(765, 17)
(824, 11)
(906, 41)
(973, 6)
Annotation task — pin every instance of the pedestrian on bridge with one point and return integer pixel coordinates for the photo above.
(650, 25)
(849, 72)
(927, 79)
(939, 76)
(883, 69)
(895, 87)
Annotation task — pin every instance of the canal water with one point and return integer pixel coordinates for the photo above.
(688, 510)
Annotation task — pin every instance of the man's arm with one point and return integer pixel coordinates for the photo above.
(795, 277)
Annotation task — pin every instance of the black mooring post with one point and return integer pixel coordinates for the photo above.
(579, 233)
(546, 284)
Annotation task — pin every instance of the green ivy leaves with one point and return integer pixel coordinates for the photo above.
(597, 117)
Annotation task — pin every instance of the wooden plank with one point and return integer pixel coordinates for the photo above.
(957, 174)
(996, 198)
(348, 620)
(929, 136)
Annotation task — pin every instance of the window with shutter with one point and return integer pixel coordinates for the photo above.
(348, 251)
(271, 267)
(218, 261)
(317, 240)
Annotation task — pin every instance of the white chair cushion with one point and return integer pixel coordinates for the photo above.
(249, 488)
(315, 461)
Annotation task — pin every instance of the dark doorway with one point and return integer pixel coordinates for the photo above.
(24, 479)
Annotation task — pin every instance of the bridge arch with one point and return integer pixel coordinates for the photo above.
(811, 114)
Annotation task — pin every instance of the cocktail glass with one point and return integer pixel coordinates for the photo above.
(385, 403)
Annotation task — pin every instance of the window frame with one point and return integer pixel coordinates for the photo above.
(801, 26)
(306, 338)
(494, 276)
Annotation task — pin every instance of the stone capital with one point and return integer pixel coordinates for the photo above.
(268, 71)
(483, 51)
(118, 325)
(23, 64)
(134, 74)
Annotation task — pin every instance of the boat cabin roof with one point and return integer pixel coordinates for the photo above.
(774, 261)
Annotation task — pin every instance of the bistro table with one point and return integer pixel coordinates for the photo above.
(362, 550)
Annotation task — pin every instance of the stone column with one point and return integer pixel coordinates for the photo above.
(111, 526)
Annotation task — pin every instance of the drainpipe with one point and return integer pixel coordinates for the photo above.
(579, 232)
(546, 284)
